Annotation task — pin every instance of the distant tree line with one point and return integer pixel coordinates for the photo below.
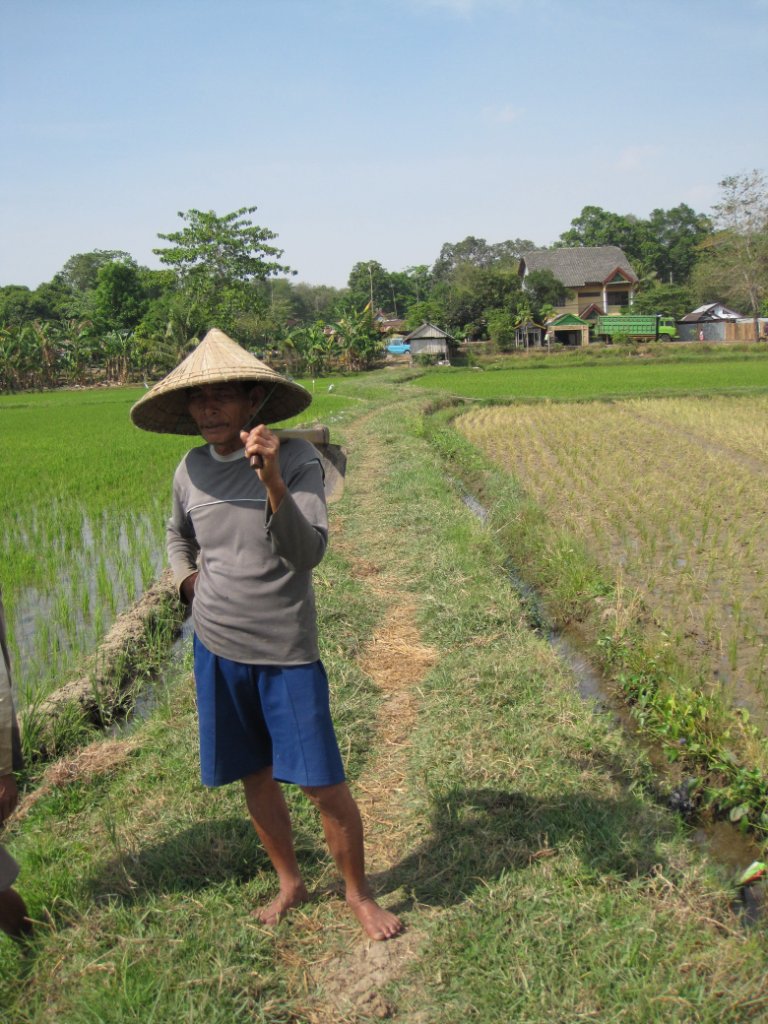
(104, 317)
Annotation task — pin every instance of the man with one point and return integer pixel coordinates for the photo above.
(248, 526)
(13, 912)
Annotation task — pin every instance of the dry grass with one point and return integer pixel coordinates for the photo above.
(346, 983)
(668, 495)
(100, 758)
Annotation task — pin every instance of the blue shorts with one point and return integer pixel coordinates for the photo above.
(253, 717)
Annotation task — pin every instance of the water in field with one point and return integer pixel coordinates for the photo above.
(103, 568)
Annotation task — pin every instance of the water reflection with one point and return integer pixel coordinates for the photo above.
(105, 566)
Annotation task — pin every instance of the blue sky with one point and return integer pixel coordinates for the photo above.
(369, 129)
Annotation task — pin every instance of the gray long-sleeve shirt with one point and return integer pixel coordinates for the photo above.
(10, 753)
(254, 601)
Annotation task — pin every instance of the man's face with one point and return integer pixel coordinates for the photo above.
(220, 412)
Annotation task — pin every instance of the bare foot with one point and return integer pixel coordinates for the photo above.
(275, 911)
(377, 923)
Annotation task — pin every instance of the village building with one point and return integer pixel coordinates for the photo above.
(599, 279)
(529, 334)
(716, 322)
(428, 340)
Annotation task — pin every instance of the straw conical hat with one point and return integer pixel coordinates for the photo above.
(215, 360)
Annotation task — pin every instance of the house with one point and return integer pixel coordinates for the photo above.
(529, 333)
(388, 323)
(429, 340)
(711, 322)
(600, 279)
(567, 329)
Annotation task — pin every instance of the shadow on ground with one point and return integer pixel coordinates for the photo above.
(210, 852)
(477, 834)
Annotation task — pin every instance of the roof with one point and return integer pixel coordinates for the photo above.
(567, 320)
(711, 311)
(427, 330)
(579, 265)
(593, 309)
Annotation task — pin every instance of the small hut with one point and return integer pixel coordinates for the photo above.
(711, 322)
(429, 340)
(568, 329)
(529, 334)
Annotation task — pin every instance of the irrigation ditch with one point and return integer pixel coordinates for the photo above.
(723, 840)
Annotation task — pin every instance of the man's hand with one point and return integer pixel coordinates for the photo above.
(188, 588)
(9, 796)
(266, 445)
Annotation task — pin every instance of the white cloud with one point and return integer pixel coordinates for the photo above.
(466, 8)
(633, 158)
(503, 115)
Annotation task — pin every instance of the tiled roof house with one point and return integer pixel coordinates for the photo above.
(600, 279)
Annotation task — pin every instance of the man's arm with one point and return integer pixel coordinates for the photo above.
(9, 794)
(297, 517)
(182, 548)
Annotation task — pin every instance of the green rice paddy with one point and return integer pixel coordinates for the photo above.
(83, 505)
(556, 380)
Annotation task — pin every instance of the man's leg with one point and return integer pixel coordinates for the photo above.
(269, 814)
(13, 914)
(344, 834)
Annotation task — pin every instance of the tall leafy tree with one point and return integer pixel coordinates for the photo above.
(16, 304)
(543, 289)
(668, 299)
(216, 258)
(596, 226)
(316, 301)
(672, 242)
(735, 267)
(80, 272)
(119, 300)
(478, 253)
(368, 284)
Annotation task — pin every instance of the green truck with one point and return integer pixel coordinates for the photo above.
(635, 327)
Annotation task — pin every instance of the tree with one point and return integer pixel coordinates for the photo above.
(736, 263)
(119, 300)
(667, 299)
(360, 341)
(316, 301)
(420, 280)
(429, 310)
(81, 271)
(595, 226)
(672, 242)
(16, 302)
(501, 328)
(312, 348)
(478, 253)
(215, 259)
(542, 288)
(368, 284)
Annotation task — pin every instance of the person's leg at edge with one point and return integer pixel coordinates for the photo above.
(13, 915)
(270, 817)
(343, 829)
